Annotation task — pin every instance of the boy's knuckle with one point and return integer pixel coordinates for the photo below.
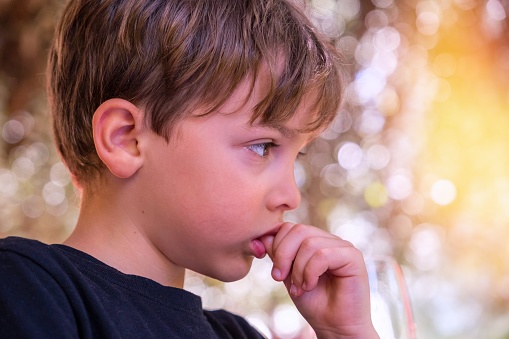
(300, 229)
(308, 244)
(348, 244)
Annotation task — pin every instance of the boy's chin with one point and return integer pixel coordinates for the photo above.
(229, 274)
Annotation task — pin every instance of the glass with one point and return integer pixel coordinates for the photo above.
(391, 310)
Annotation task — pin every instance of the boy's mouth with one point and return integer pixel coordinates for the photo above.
(257, 247)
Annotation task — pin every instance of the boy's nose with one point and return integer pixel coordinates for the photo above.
(285, 194)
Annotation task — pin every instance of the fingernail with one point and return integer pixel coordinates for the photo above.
(276, 273)
(293, 290)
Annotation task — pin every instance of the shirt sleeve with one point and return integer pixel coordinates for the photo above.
(32, 303)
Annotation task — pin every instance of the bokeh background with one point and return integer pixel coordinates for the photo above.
(415, 166)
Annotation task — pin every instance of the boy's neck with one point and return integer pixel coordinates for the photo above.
(111, 237)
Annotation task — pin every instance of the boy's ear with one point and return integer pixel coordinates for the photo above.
(117, 126)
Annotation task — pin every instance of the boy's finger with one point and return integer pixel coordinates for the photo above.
(341, 262)
(280, 270)
(304, 271)
(267, 241)
(285, 246)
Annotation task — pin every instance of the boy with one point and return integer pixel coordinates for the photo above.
(181, 121)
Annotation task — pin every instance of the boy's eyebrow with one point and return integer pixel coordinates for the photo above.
(286, 132)
(283, 130)
(290, 133)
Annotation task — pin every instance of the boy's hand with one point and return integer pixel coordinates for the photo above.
(326, 278)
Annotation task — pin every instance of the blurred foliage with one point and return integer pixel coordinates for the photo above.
(35, 194)
(416, 164)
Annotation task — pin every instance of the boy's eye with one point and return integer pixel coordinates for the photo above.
(262, 149)
(302, 153)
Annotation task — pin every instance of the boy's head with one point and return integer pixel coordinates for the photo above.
(174, 57)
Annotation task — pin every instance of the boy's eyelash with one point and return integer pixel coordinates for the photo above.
(262, 149)
(302, 154)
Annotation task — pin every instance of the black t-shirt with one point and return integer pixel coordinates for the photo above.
(55, 291)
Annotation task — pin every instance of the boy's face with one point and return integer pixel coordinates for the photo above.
(220, 184)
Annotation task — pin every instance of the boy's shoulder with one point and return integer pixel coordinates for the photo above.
(28, 261)
(23, 249)
(30, 287)
(27, 251)
(22, 245)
